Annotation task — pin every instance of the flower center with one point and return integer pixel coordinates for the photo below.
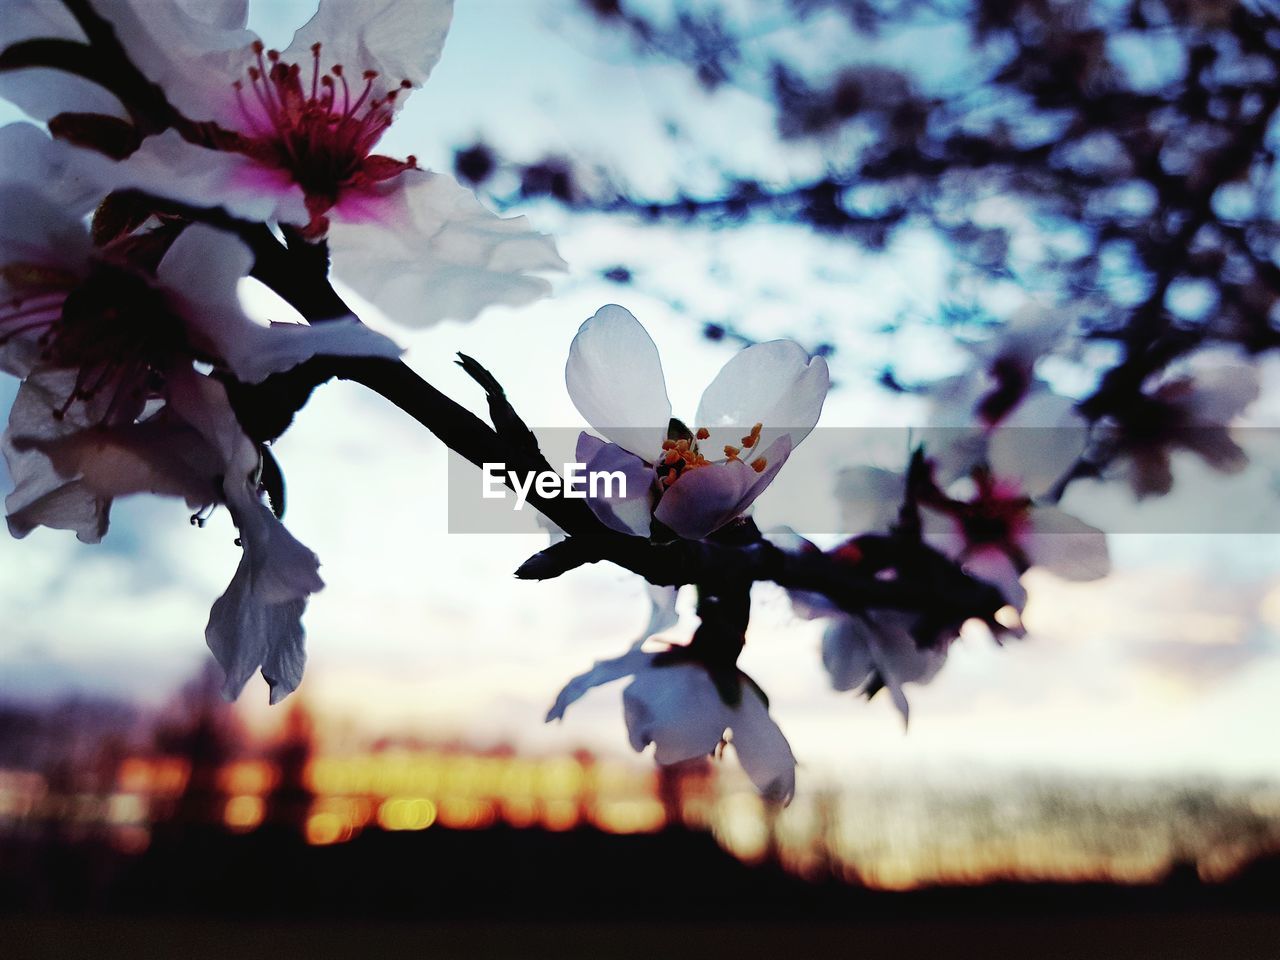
(321, 131)
(996, 516)
(680, 456)
(116, 331)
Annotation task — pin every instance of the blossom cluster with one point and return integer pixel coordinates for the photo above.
(119, 303)
(171, 155)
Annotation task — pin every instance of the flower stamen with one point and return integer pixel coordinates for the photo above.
(324, 143)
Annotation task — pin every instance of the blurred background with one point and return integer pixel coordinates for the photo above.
(886, 182)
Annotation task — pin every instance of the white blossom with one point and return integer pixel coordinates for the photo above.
(763, 402)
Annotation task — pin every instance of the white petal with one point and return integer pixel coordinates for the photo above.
(41, 495)
(168, 166)
(706, 498)
(1221, 392)
(614, 377)
(246, 632)
(1031, 332)
(192, 52)
(676, 708)
(422, 249)
(662, 609)
(256, 623)
(30, 157)
(45, 93)
(202, 271)
(202, 402)
(61, 505)
(224, 14)
(1071, 548)
(870, 498)
(762, 749)
(601, 672)
(899, 660)
(626, 514)
(846, 652)
(1038, 443)
(38, 231)
(896, 653)
(159, 457)
(397, 39)
(775, 384)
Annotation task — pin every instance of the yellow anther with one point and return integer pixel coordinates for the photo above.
(682, 445)
(668, 444)
(731, 452)
(703, 433)
(759, 464)
(673, 456)
(754, 437)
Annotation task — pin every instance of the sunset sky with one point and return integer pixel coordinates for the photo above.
(1170, 665)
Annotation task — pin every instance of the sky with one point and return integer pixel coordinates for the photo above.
(1167, 667)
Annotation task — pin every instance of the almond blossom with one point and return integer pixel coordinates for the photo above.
(290, 136)
(673, 703)
(1003, 372)
(111, 403)
(764, 402)
(871, 651)
(1003, 524)
(1191, 409)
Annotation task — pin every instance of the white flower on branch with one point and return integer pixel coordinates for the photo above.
(1002, 373)
(1189, 409)
(289, 136)
(763, 402)
(871, 651)
(675, 705)
(111, 403)
(1002, 525)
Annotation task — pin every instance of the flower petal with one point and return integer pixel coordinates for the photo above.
(257, 621)
(762, 750)
(846, 652)
(626, 514)
(42, 496)
(662, 609)
(31, 158)
(168, 166)
(676, 708)
(704, 499)
(776, 384)
(870, 498)
(202, 271)
(614, 377)
(1038, 443)
(899, 659)
(160, 456)
(1219, 393)
(43, 94)
(193, 51)
(601, 672)
(423, 249)
(38, 231)
(397, 39)
(226, 14)
(1071, 548)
